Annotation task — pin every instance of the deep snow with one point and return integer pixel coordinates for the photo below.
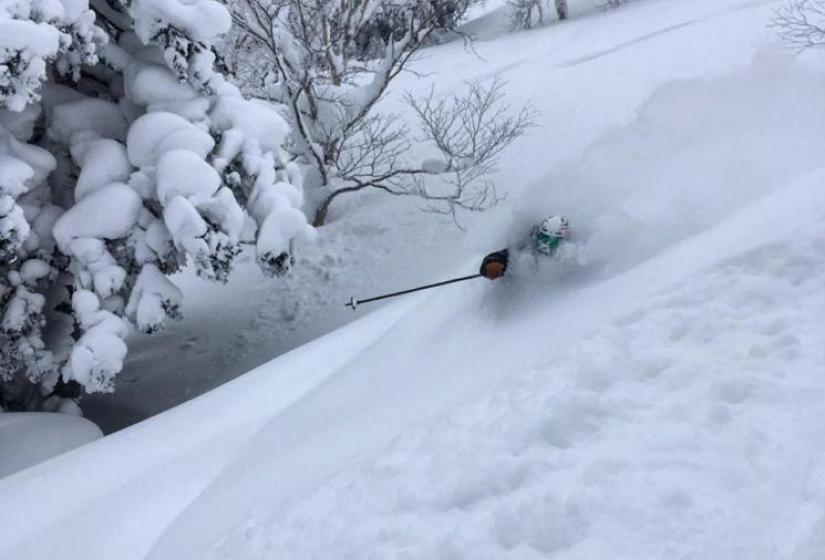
(29, 438)
(664, 400)
(589, 79)
(685, 428)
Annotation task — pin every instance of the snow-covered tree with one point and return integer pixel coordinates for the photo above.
(124, 155)
(607, 4)
(524, 14)
(390, 20)
(311, 59)
(562, 11)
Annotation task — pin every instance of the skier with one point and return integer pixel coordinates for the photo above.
(547, 239)
(544, 240)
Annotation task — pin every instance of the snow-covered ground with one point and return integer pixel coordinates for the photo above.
(29, 438)
(664, 400)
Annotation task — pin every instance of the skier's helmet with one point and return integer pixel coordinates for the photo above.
(550, 233)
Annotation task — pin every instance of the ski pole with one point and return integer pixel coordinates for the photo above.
(354, 303)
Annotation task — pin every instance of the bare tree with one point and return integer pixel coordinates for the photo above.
(801, 23)
(314, 65)
(524, 14)
(562, 10)
(466, 132)
(608, 4)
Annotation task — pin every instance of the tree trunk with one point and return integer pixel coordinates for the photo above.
(561, 9)
(323, 208)
(321, 213)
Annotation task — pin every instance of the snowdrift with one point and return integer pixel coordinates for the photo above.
(273, 434)
(28, 438)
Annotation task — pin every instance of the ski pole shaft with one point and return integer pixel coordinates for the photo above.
(353, 303)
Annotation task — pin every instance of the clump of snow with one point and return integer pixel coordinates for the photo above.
(102, 162)
(92, 116)
(279, 221)
(155, 87)
(151, 84)
(186, 227)
(40, 39)
(184, 29)
(31, 42)
(14, 174)
(22, 167)
(186, 174)
(35, 33)
(107, 213)
(251, 134)
(98, 356)
(202, 20)
(41, 161)
(153, 298)
(30, 272)
(18, 312)
(254, 120)
(20, 124)
(156, 133)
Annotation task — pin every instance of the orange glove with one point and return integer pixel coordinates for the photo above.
(494, 265)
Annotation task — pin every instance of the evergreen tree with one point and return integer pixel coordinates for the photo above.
(124, 156)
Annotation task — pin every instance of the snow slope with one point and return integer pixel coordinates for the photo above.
(653, 411)
(587, 78)
(683, 427)
(663, 401)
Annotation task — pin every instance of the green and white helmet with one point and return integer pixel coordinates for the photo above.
(550, 233)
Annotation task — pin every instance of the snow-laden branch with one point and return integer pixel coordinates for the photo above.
(130, 168)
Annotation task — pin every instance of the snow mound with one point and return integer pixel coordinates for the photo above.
(28, 438)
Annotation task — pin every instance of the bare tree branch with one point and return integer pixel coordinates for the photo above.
(315, 66)
(801, 24)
